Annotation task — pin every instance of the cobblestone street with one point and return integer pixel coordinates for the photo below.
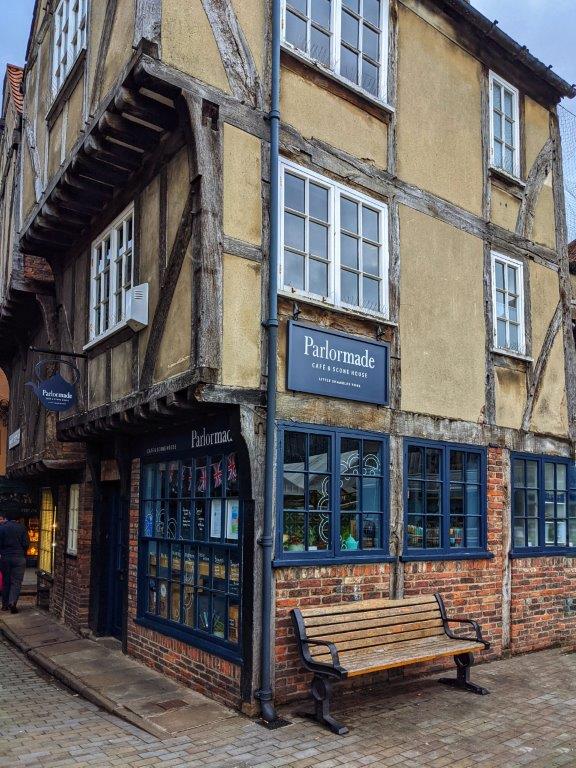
(527, 720)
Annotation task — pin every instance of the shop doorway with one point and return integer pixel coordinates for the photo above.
(115, 570)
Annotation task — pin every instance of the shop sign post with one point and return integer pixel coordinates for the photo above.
(326, 362)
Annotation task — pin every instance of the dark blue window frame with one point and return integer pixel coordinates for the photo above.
(446, 551)
(520, 488)
(193, 635)
(334, 553)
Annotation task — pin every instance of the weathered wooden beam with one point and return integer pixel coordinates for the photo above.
(120, 157)
(101, 172)
(235, 52)
(98, 193)
(49, 312)
(69, 201)
(145, 109)
(537, 377)
(534, 183)
(133, 135)
(34, 156)
(103, 47)
(148, 23)
(242, 249)
(171, 275)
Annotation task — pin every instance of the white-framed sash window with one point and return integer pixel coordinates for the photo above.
(348, 37)
(504, 126)
(111, 275)
(70, 17)
(73, 512)
(334, 242)
(508, 303)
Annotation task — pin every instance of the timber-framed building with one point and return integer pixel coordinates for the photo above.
(421, 216)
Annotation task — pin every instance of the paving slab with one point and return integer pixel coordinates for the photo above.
(101, 673)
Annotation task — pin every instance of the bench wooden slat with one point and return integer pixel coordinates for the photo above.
(323, 630)
(365, 643)
(361, 606)
(378, 659)
(382, 634)
(382, 613)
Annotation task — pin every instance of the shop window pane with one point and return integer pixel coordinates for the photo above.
(319, 453)
(234, 573)
(163, 598)
(456, 499)
(164, 561)
(519, 503)
(519, 532)
(200, 521)
(189, 565)
(152, 592)
(233, 621)
(294, 490)
(561, 477)
(415, 530)
(372, 494)
(532, 503)
(372, 457)
(415, 497)
(176, 567)
(349, 532)
(187, 480)
(203, 599)
(216, 511)
(294, 451)
(175, 601)
(232, 485)
(472, 500)
(473, 531)
(572, 533)
(186, 521)
(371, 531)
(152, 558)
(318, 491)
(518, 469)
(160, 514)
(473, 468)
(456, 531)
(549, 533)
(432, 531)
(456, 465)
(350, 455)
(532, 527)
(433, 500)
(201, 481)
(148, 527)
(349, 493)
(293, 537)
(561, 533)
(318, 532)
(188, 606)
(415, 461)
(433, 462)
(549, 506)
(148, 481)
(204, 568)
(532, 474)
(219, 571)
(217, 477)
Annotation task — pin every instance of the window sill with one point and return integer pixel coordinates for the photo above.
(65, 90)
(552, 552)
(329, 80)
(418, 557)
(104, 339)
(304, 561)
(190, 638)
(511, 183)
(512, 355)
(358, 313)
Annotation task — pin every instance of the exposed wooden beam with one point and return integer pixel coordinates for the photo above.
(148, 23)
(105, 37)
(145, 109)
(129, 133)
(537, 378)
(534, 183)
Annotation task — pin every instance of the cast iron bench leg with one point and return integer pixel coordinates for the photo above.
(321, 688)
(462, 680)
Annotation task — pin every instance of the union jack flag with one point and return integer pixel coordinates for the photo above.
(202, 480)
(217, 474)
(232, 471)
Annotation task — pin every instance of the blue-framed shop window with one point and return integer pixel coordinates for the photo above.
(543, 505)
(332, 495)
(189, 555)
(445, 500)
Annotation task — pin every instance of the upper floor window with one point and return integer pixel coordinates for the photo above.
(504, 126)
(508, 303)
(69, 38)
(543, 504)
(334, 242)
(333, 497)
(111, 275)
(445, 498)
(73, 512)
(346, 36)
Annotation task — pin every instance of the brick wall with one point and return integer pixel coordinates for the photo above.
(202, 671)
(70, 594)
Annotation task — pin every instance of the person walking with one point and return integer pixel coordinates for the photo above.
(14, 544)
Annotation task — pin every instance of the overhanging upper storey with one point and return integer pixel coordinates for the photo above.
(136, 123)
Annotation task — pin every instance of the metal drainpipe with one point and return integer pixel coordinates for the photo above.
(265, 695)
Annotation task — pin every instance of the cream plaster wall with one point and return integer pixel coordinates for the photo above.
(241, 323)
(242, 185)
(315, 112)
(510, 395)
(550, 411)
(97, 381)
(439, 117)
(442, 326)
(188, 43)
(75, 121)
(121, 367)
(505, 208)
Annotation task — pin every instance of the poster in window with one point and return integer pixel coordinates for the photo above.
(232, 518)
(216, 519)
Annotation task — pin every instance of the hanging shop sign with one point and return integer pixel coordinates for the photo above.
(334, 364)
(55, 393)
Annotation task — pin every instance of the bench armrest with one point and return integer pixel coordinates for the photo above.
(446, 620)
(461, 620)
(331, 647)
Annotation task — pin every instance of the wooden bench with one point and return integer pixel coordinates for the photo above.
(340, 641)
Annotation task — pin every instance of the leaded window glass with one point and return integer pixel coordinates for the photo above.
(505, 129)
(508, 303)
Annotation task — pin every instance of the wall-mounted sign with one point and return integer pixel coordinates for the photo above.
(334, 364)
(214, 435)
(55, 393)
(14, 438)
